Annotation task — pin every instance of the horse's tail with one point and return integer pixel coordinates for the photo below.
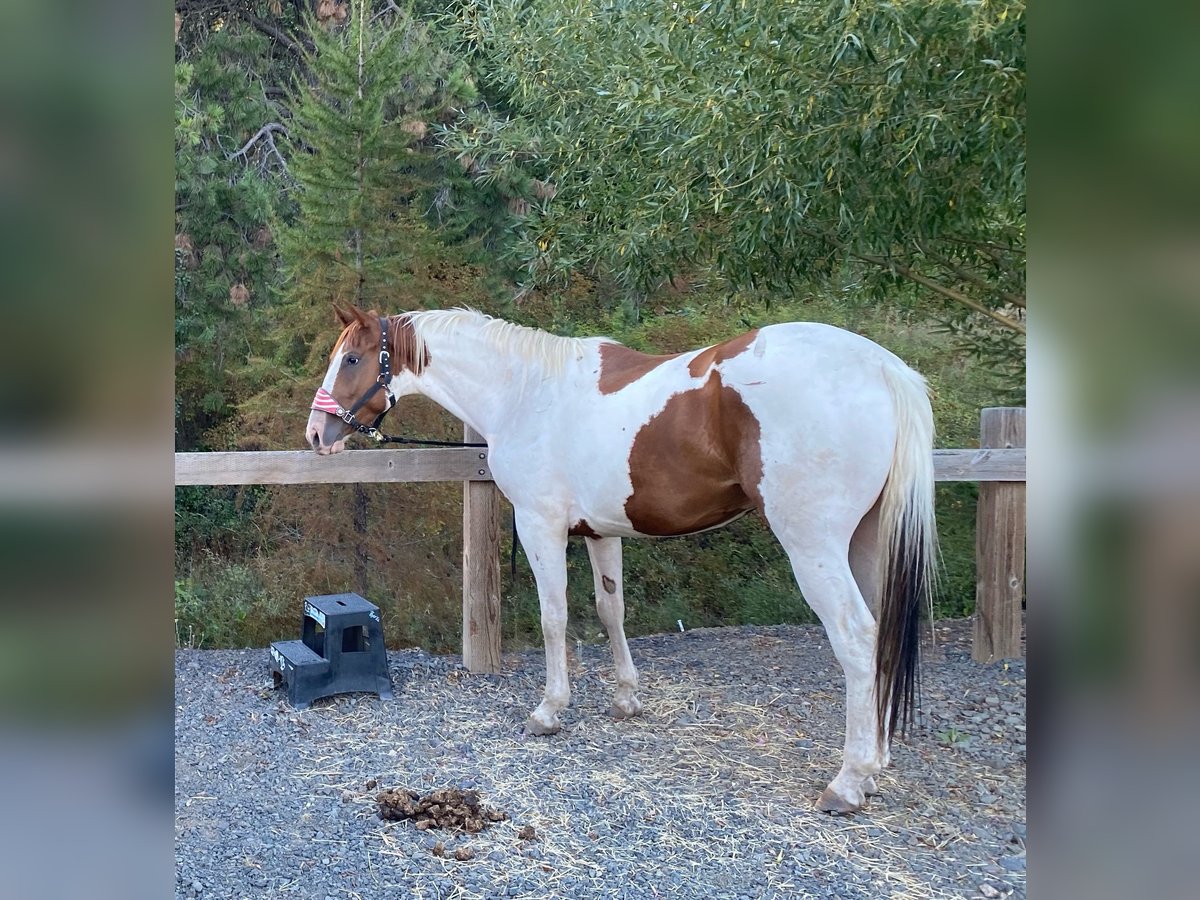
(908, 531)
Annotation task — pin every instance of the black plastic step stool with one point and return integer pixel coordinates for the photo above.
(340, 650)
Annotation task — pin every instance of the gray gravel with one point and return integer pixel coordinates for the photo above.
(709, 794)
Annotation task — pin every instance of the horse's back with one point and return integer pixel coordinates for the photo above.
(810, 350)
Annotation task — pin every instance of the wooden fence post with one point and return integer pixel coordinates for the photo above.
(481, 572)
(999, 546)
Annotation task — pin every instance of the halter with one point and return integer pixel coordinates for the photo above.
(325, 402)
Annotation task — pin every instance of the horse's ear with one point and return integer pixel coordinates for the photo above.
(345, 316)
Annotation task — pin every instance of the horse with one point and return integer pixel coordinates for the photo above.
(825, 433)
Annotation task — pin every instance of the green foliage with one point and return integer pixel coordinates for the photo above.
(590, 172)
(954, 738)
(217, 520)
(782, 142)
(364, 176)
(225, 200)
(213, 612)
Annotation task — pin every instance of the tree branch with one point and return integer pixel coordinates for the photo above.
(965, 275)
(390, 6)
(947, 292)
(299, 47)
(990, 245)
(264, 134)
(265, 131)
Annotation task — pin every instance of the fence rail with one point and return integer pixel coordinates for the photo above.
(353, 466)
(470, 464)
(999, 464)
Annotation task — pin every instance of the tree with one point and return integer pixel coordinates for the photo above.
(365, 173)
(781, 142)
(227, 192)
(360, 157)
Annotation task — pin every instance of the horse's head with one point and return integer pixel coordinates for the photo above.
(360, 380)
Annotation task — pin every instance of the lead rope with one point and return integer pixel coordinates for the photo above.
(388, 439)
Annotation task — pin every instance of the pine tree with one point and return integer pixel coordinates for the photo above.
(361, 140)
(227, 191)
(367, 172)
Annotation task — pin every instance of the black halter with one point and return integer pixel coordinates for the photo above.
(384, 383)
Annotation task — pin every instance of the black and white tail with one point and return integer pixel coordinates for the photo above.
(908, 531)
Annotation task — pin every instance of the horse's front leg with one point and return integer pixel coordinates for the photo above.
(605, 554)
(546, 548)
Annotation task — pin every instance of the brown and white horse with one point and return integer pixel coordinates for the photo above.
(826, 434)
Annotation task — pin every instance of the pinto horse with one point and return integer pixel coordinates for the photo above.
(823, 432)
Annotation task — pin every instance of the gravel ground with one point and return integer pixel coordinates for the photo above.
(708, 794)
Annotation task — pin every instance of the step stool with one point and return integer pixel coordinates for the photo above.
(340, 650)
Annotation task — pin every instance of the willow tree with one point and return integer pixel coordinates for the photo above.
(780, 142)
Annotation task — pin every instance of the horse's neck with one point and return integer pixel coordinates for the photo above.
(473, 379)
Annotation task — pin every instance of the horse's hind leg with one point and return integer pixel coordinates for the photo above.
(820, 563)
(866, 562)
(866, 559)
(605, 554)
(546, 549)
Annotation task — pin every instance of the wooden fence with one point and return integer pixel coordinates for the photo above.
(998, 464)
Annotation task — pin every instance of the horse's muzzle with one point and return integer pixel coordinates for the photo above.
(326, 434)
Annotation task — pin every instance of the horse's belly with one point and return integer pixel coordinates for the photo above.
(680, 506)
(666, 522)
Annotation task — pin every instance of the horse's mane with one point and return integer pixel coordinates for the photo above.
(552, 351)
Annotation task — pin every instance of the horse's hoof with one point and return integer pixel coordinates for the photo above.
(869, 787)
(835, 804)
(539, 729)
(628, 711)
(625, 708)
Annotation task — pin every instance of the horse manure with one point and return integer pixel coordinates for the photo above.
(439, 849)
(527, 833)
(462, 854)
(443, 808)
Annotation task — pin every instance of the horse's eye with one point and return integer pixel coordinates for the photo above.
(352, 360)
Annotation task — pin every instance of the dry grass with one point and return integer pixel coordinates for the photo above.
(701, 776)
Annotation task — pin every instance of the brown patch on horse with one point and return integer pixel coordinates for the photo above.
(621, 367)
(403, 341)
(609, 584)
(582, 529)
(696, 464)
(341, 339)
(361, 337)
(351, 382)
(706, 359)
